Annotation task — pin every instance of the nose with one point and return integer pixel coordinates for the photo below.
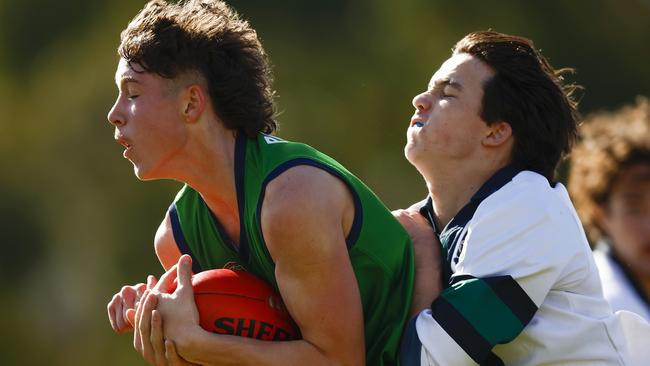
(421, 102)
(115, 116)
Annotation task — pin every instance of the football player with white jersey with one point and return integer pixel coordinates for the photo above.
(516, 283)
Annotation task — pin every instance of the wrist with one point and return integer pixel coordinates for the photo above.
(189, 341)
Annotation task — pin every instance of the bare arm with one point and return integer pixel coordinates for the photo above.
(305, 216)
(313, 268)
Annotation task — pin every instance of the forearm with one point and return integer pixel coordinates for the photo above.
(206, 348)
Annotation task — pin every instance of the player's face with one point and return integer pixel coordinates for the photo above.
(627, 217)
(148, 121)
(447, 125)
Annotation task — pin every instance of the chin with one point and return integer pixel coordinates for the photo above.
(410, 153)
(141, 174)
(147, 174)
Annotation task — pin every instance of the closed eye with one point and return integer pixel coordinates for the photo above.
(445, 95)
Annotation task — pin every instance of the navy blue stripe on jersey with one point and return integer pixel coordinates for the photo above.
(492, 360)
(357, 222)
(240, 168)
(221, 231)
(463, 333)
(450, 236)
(498, 180)
(410, 351)
(179, 238)
(509, 292)
(496, 308)
(514, 297)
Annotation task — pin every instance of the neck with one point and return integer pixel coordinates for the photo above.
(209, 168)
(452, 188)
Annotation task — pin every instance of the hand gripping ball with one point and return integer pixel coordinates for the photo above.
(238, 303)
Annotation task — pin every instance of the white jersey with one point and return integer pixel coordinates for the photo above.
(617, 286)
(523, 287)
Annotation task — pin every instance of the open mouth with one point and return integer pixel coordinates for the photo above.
(122, 141)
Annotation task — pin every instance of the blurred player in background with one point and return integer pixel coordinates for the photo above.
(519, 282)
(610, 185)
(195, 105)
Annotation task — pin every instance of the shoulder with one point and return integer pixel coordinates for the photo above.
(304, 186)
(530, 201)
(531, 228)
(305, 204)
(186, 198)
(529, 218)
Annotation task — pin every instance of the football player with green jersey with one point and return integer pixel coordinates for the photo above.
(378, 247)
(195, 105)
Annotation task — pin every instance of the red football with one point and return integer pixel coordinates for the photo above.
(238, 303)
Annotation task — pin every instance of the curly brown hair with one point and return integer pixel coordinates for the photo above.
(610, 142)
(530, 95)
(209, 38)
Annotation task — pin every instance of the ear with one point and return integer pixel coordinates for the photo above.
(498, 133)
(194, 103)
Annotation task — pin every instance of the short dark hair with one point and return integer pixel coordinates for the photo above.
(208, 37)
(610, 143)
(530, 95)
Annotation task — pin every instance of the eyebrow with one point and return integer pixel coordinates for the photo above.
(441, 83)
(128, 79)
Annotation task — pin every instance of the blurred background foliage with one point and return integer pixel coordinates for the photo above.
(76, 224)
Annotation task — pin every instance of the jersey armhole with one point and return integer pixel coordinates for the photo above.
(179, 237)
(355, 229)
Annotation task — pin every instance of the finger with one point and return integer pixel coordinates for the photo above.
(151, 281)
(166, 279)
(130, 298)
(419, 218)
(130, 316)
(119, 318)
(137, 343)
(157, 341)
(140, 287)
(184, 272)
(129, 294)
(145, 326)
(111, 311)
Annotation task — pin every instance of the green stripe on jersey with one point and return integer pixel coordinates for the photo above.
(475, 300)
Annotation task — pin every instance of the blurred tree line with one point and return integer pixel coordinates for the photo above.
(76, 224)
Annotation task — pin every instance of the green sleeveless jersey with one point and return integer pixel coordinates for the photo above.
(380, 250)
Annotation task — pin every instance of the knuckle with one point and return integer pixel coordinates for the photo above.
(126, 289)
